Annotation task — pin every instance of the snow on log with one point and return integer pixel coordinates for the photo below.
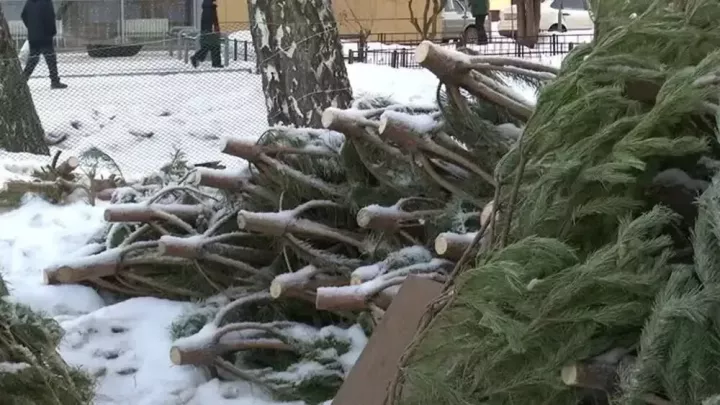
(297, 280)
(145, 213)
(366, 273)
(266, 223)
(452, 245)
(189, 248)
(203, 356)
(280, 223)
(357, 297)
(298, 283)
(398, 132)
(84, 268)
(439, 266)
(440, 61)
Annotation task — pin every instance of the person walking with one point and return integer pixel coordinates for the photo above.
(479, 10)
(39, 19)
(209, 36)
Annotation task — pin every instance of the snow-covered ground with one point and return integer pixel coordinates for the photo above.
(139, 121)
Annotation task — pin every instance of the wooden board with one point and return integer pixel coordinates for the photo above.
(368, 381)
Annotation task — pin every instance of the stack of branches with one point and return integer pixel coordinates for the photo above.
(59, 182)
(320, 229)
(31, 370)
(595, 289)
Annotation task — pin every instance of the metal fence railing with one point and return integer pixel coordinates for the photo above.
(402, 55)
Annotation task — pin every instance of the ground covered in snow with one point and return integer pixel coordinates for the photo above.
(140, 121)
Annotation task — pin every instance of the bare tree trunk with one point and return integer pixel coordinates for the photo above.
(20, 128)
(300, 59)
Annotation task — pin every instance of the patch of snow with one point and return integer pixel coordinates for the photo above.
(36, 237)
(126, 346)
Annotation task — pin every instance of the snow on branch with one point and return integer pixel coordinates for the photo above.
(280, 223)
(149, 212)
(357, 297)
(393, 217)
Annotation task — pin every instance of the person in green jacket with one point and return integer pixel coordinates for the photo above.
(479, 9)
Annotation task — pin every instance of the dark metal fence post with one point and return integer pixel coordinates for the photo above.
(235, 50)
(245, 51)
(393, 58)
(350, 56)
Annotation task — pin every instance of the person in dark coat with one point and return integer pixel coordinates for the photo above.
(209, 35)
(479, 10)
(39, 19)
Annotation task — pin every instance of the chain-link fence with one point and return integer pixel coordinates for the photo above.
(139, 99)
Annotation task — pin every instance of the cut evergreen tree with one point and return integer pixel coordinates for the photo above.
(592, 289)
(31, 370)
(20, 128)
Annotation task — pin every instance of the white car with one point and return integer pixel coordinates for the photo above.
(555, 15)
(457, 22)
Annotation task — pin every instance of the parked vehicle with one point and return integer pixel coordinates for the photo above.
(555, 15)
(458, 23)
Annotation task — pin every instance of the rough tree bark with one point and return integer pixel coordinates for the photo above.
(300, 60)
(20, 128)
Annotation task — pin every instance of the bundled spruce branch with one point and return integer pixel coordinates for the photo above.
(594, 289)
(31, 370)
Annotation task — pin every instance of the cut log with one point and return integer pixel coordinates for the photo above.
(593, 375)
(279, 223)
(305, 280)
(189, 248)
(352, 298)
(242, 149)
(298, 280)
(452, 245)
(66, 168)
(100, 265)
(398, 133)
(440, 61)
(206, 355)
(146, 213)
(273, 224)
(220, 179)
(381, 218)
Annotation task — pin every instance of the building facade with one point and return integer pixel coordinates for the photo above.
(376, 16)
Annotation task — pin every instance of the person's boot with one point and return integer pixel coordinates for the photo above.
(482, 38)
(56, 84)
(194, 62)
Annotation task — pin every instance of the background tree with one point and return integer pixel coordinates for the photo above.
(20, 128)
(300, 59)
(426, 26)
(362, 24)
